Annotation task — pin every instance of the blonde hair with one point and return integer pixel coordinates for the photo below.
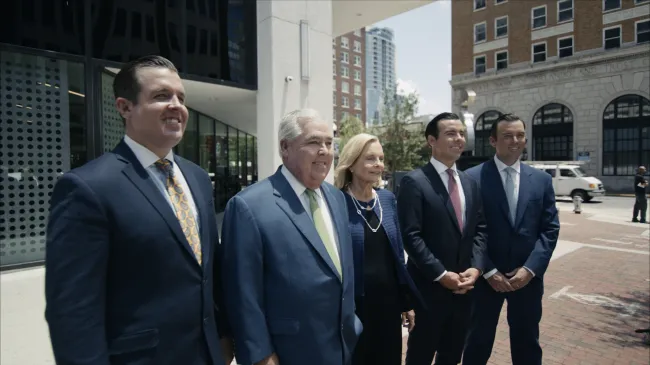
(351, 152)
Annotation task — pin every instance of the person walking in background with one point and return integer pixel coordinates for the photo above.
(441, 219)
(289, 277)
(523, 229)
(640, 198)
(132, 267)
(383, 287)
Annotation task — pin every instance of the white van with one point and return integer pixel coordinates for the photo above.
(569, 179)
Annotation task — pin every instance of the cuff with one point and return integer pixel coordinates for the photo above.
(489, 274)
(440, 277)
(530, 271)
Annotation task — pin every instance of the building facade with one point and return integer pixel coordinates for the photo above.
(380, 70)
(576, 72)
(349, 78)
(244, 64)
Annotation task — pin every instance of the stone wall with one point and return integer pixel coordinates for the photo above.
(586, 87)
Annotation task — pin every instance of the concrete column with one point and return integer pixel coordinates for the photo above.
(278, 56)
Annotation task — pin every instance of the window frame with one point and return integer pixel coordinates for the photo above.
(484, 24)
(475, 5)
(532, 52)
(558, 12)
(496, 60)
(620, 6)
(636, 30)
(532, 17)
(483, 56)
(496, 27)
(572, 46)
(620, 36)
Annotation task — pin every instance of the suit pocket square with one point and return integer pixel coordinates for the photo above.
(132, 342)
(284, 326)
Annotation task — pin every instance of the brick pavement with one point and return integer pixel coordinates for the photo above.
(578, 328)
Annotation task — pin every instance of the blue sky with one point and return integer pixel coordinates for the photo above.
(423, 54)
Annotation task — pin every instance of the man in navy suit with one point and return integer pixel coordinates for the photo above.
(441, 220)
(289, 278)
(523, 229)
(132, 241)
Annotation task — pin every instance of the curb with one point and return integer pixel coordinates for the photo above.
(625, 195)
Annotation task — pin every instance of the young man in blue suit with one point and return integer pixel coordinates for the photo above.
(289, 278)
(132, 265)
(523, 229)
(441, 219)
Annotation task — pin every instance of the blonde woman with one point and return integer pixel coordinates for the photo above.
(383, 287)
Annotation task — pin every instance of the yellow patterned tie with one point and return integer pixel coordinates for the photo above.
(181, 206)
(321, 228)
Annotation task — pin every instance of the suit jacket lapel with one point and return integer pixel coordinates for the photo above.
(198, 197)
(498, 191)
(137, 174)
(439, 187)
(289, 202)
(524, 192)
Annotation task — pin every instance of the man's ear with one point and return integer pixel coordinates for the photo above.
(431, 140)
(124, 107)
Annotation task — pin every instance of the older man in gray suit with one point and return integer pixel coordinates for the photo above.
(288, 272)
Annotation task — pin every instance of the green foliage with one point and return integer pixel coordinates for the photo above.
(350, 127)
(404, 145)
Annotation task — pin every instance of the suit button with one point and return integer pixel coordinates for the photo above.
(205, 281)
(341, 327)
(205, 320)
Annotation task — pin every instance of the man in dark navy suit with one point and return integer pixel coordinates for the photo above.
(441, 219)
(523, 229)
(132, 265)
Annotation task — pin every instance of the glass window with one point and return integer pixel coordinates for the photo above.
(565, 47)
(221, 174)
(626, 135)
(234, 185)
(539, 17)
(502, 60)
(482, 146)
(188, 147)
(612, 37)
(611, 5)
(479, 4)
(567, 173)
(206, 158)
(643, 31)
(44, 24)
(479, 65)
(539, 52)
(251, 163)
(564, 10)
(501, 27)
(553, 133)
(42, 135)
(242, 159)
(480, 33)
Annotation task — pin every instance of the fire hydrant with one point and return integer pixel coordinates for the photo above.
(577, 204)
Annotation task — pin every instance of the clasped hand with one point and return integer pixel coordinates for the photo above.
(514, 280)
(460, 283)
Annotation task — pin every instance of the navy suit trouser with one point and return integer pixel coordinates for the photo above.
(524, 315)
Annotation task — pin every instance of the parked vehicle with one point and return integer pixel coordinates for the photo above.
(569, 179)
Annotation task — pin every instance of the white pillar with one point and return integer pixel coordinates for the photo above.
(279, 56)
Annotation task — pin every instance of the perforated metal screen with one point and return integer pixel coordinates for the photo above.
(113, 127)
(34, 150)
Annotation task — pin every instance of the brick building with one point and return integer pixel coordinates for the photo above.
(349, 94)
(576, 71)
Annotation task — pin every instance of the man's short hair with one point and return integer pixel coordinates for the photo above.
(126, 85)
(508, 117)
(432, 128)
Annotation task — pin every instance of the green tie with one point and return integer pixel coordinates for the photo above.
(321, 228)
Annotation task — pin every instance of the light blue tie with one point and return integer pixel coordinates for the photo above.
(510, 193)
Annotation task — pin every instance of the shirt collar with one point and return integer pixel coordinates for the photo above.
(296, 185)
(441, 168)
(502, 166)
(144, 155)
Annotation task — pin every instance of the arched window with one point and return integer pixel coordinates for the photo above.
(553, 133)
(482, 147)
(626, 135)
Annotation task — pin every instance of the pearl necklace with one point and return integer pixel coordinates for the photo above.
(358, 207)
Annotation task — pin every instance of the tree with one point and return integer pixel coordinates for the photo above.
(402, 143)
(350, 127)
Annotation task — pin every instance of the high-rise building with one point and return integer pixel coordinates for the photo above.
(380, 70)
(576, 72)
(348, 55)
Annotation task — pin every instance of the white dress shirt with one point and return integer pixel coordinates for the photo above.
(147, 160)
(299, 188)
(441, 169)
(515, 180)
